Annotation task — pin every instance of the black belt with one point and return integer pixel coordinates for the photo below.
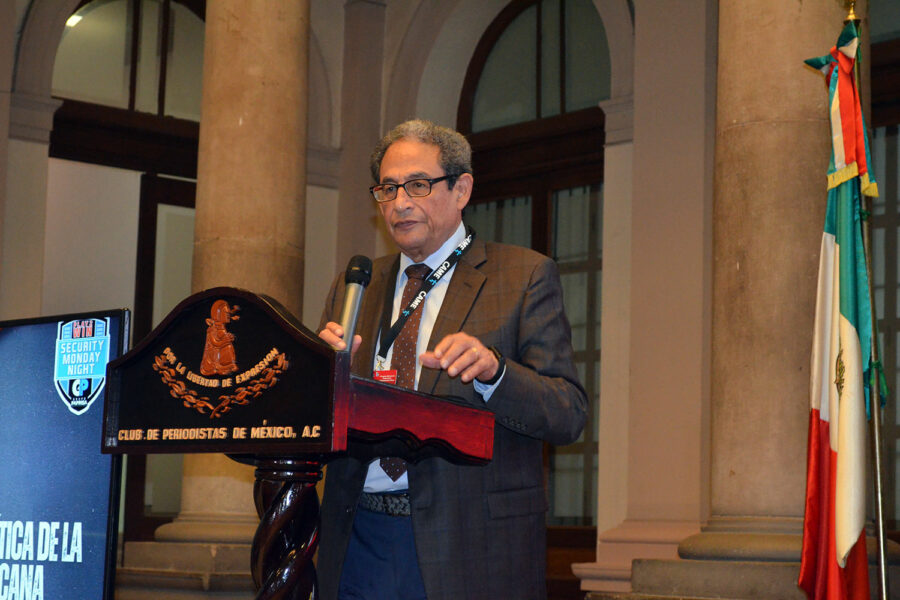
(394, 505)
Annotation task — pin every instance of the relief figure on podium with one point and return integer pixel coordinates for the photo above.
(455, 316)
(218, 353)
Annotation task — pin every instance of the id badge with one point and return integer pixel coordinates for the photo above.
(385, 376)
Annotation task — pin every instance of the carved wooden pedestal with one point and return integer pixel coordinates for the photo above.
(281, 560)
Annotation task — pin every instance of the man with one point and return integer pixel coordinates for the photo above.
(491, 331)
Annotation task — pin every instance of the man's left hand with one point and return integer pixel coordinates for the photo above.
(463, 355)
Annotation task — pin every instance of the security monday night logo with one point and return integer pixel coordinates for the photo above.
(82, 351)
(221, 383)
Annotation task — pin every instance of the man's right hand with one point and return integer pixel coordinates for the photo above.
(333, 335)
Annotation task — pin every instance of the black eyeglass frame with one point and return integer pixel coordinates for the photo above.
(403, 185)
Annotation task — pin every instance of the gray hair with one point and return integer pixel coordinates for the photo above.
(455, 151)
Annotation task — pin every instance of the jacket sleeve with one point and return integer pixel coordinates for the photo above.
(540, 395)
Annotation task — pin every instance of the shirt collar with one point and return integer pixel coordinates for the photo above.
(434, 260)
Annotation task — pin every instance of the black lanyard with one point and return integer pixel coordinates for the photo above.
(430, 281)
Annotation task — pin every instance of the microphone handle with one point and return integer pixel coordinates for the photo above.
(350, 312)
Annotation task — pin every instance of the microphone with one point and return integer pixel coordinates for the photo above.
(357, 277)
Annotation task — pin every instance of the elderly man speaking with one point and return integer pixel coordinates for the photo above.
(491, 330)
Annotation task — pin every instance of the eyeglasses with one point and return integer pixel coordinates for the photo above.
(415, 188)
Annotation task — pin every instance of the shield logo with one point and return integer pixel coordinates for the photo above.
(82, 351)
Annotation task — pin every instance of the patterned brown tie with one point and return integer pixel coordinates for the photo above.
(404, 355)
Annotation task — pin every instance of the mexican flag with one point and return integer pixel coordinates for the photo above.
(833, 560)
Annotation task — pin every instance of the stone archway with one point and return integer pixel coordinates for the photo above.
(41, 34)
(414, 53)
(31, 113)
(427, 74)
(620, 36)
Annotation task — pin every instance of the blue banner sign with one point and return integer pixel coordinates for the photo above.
(59, 496)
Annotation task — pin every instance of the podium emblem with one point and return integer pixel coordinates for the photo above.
(216, 385)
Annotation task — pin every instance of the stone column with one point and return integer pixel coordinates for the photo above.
(249, 234)
(767, 231)
(251, 175)
(364, 30)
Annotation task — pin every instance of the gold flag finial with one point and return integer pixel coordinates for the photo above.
(850, 5)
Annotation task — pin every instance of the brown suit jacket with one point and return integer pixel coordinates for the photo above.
(480, 530)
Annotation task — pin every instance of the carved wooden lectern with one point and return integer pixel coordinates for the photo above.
(230, 371)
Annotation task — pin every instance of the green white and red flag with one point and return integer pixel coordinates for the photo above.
(833, 560)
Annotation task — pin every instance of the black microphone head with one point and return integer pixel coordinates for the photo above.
(359, 270)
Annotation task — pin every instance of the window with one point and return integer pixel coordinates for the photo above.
(529, 106)
(538, 59)
(575, 244)
(143, 55)
(129, 74)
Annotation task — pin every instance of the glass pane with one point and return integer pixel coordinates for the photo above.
(892, 372)
(886, 274)
(878, 249)
(507, 221)
(576, 235)
(887, 175)
(516, 222)
(507, 91)
(92, 60)
(550, 100)
(573, 488)
(587, 56)
(146, 96)
(881, 137)
(184, 74)
(581, 367)
(877, 273)
(576, 242)
(174, 255)
(568, 479)
(572, 220)
(598, 284)
(894, 510)
(483, 219)
(575, 295)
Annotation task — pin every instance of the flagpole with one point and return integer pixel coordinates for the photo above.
(875, 388)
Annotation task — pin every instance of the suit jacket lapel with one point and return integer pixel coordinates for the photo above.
(464, 287)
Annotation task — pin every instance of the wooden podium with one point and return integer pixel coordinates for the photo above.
(232, 372)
